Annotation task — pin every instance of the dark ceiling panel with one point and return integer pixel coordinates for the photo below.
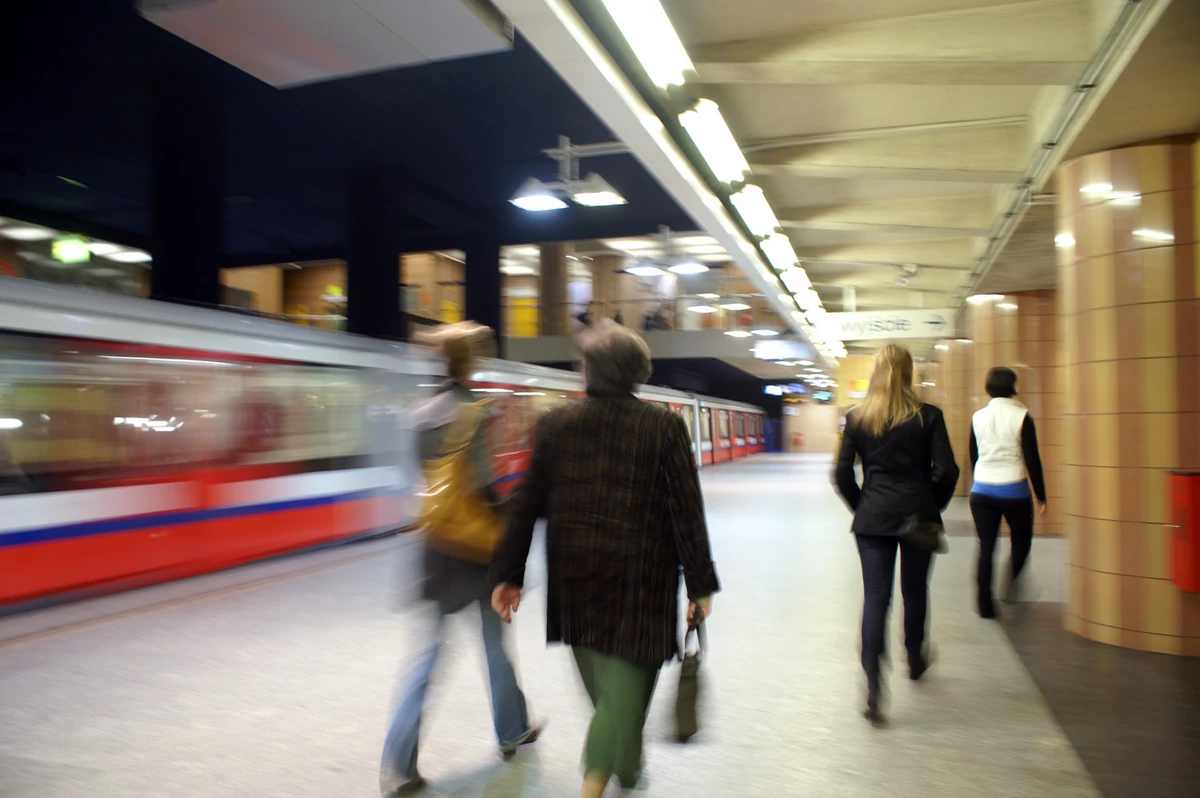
(460, 135)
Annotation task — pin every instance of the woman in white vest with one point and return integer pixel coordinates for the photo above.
(1004, 455)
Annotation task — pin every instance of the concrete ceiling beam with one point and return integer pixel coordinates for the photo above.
(1034, 43)
(935, 216)
(956, 252)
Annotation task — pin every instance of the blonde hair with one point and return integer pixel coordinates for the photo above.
(461, 344)
(891, 398)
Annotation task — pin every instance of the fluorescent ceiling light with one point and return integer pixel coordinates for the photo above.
(779, 252)
(804, 363)
(979, 299)
(702, 309)
(1153, 235)
(11, 423)
(709, 296)
(130, 256)
(689, 267)
(707, 129)
(27, 233)
(518, 271)
(102, 248)
(534, 195)
(595, 192)
(739, 334)
(765, 333)
(653, 40)
(645, 270)
(628, 244)
(1064, 240)
(1096, 189)
(942, 347)
(808, 300)
(735, 306)
(795, 279)
(752, 206)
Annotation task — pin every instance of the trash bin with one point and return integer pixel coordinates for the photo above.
(1185, 548)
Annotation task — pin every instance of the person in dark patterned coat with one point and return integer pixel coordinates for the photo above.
(617, 482)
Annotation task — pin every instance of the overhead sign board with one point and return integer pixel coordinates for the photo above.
(887, 325)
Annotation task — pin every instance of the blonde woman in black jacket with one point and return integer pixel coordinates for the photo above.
(908, 470)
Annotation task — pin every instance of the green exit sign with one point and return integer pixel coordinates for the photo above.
(70, 249)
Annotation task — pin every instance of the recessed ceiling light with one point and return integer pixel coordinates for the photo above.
(765, 333)
(739, 334)
(689, 267)
(27, 233)
(709, 296)
(702, 309)
(734, 306)
(518, 271)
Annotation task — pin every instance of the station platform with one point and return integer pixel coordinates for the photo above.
(278, 679)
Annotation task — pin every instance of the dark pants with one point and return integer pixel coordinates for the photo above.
(988, 511)
(878, 556)
(620, 690)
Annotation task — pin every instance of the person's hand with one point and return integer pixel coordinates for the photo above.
(506, 599)
(1042, 508)
(704, 605)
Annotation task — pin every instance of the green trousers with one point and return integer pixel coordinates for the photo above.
(620, 690)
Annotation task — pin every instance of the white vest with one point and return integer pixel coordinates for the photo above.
(998, 436)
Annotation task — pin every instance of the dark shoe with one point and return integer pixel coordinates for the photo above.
(918, 664)
(528, 738)
(411, 787)
(873, 712)
(987, 610)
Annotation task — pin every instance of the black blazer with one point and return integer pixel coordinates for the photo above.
(909, 470)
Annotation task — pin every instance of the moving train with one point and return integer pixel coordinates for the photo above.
(142, 442)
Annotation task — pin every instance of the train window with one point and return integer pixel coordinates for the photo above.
(739, 425)
(723, 420)
(705, 425)
(689, 416)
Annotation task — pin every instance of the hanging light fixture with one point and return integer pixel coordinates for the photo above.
(534, 195)
(594, 192)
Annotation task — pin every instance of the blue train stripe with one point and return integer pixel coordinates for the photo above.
(134, 523)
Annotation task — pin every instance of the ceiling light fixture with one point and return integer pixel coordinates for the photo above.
(707, 129)
(734, 306)
(130, 256)
(687, 267)
(980, 299)
(1007, 306)
(653, 40)
(739, 334)
(1064, 240)
(702, 309)
(765, 332)
(27, 233)
(645, 270)
(515, 270)
(709, 296)
(942, 347)
(534, 195)
(102, 248)
(779, 252)
(752, 206)
(796, 279)
(595, 192)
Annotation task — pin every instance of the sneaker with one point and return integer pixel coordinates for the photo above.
(509, 750)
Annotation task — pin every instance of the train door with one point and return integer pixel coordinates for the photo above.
(739, 434)
(723, 445)
(707, 450)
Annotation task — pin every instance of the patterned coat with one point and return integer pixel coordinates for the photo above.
(616, 480)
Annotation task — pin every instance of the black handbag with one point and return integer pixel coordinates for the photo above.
(687, 699)
(925, 535)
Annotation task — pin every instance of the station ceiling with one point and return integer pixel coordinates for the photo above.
(463, 133)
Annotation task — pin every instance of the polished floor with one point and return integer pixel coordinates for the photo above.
(277, 679)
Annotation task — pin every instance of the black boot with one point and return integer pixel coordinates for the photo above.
(873, 712)
(918, 664)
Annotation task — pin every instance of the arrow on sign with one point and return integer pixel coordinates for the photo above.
(937, 323)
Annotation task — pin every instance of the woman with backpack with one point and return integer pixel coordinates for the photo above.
(462, 521)
(909, 476)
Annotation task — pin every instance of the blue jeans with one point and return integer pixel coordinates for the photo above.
(509, 714)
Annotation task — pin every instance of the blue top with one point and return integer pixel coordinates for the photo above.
(1009, 490)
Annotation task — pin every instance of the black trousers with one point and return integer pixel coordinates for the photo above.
(878, 556)
(988, 512)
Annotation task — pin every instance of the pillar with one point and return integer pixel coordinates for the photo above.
(553, 311)
(605, 287)
(374, 242)
(1129, 298)
(1020, 331)
(483, 285)
(187, 188)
